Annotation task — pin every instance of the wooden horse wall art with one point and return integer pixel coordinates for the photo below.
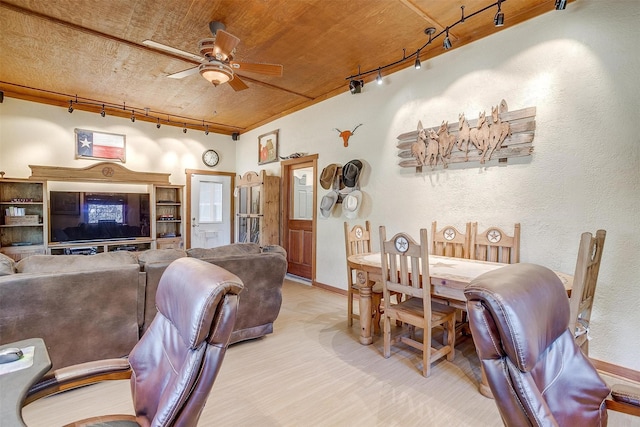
(501, 135)
(346, 134)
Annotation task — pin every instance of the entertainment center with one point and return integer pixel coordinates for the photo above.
(34, 220)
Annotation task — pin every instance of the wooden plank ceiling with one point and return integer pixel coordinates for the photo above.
(55, 50)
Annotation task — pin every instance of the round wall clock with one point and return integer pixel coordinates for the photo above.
(210, 158)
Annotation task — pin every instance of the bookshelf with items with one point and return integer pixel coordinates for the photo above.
(258, 209)
(23, 213)
(168, 209)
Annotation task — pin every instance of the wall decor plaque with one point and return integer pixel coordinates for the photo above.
(498, 135)
(100, 145)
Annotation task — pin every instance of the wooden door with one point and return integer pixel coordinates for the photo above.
(299, 215)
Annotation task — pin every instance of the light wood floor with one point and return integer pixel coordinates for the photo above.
(313, 372)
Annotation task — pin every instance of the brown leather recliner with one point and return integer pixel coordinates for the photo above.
(173, 366)
(519, 317)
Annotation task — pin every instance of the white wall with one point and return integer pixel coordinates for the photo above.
(578, 67)
(37, 134)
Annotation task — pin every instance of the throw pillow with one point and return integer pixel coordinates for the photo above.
(7, 265)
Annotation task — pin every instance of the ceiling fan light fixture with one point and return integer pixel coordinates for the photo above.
(216, 72)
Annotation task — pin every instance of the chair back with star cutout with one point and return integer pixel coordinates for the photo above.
(494, 244)
(449, 241)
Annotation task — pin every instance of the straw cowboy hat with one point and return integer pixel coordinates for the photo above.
(328, 175)
(351, 173)
(327, 203)
(351, 204)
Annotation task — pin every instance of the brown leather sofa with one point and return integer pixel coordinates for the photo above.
(261, 269)
(96, 307)
(84, 307)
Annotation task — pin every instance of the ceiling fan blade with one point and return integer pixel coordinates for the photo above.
(237, 84)
(252, 67)
(226, 42)
(173, 50)
(184, 73)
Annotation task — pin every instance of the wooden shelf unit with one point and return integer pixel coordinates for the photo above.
(168, 227)
(258, 209)
(19, 239)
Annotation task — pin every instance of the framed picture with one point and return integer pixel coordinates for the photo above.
(268, 147)
(100, 145)
(65, 203)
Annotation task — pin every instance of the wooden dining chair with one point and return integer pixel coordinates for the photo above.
(358, 240)
(449, 241)
(494, 244)
(402, 260)
(585, 280)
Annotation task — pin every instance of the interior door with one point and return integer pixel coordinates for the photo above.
(299, 214)
(210, 218)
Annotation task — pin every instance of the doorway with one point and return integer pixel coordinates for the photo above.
(210, 208)
(299, 214)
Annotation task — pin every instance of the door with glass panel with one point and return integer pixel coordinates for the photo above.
(210, 216)
(299, 215)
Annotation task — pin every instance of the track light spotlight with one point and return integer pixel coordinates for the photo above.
(185, 128)
(103, 113)
(446, 43)
(355, 86)
(379, 78)
(498, 20)
(418, 65)
(70, 107)
(133, 116)
(206, 130)
(561, 4)
(158, 124)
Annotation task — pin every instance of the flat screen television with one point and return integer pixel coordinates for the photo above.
(90, 216)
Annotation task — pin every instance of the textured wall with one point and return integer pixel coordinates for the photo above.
(37, 134)
(579, 68)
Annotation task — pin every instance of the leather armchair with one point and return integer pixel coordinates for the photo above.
(173, 366)
(519, 317)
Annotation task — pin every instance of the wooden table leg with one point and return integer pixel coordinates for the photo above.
(364, 286)
(483, 387)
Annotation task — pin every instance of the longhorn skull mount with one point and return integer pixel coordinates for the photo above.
(346, 134)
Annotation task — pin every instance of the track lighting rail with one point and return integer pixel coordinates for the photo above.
(430, 31)
(134, 113)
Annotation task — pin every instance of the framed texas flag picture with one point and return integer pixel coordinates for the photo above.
(100, 145)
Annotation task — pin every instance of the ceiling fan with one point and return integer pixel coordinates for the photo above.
(216, 55)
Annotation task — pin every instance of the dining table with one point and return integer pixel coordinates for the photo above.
(448, 277)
